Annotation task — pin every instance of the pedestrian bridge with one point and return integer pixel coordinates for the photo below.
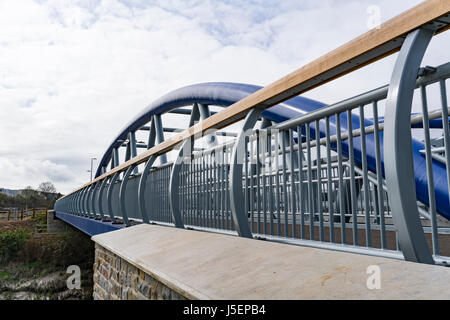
(367, 175)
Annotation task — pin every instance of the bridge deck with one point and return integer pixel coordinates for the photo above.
(203, 265)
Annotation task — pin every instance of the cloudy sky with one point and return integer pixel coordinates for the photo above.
(72, 73)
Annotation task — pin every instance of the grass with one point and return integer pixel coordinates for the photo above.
(4, 275)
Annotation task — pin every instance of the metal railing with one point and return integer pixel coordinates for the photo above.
(204, 189)
(327, 179)
(326, 200)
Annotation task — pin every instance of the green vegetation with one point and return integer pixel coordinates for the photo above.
(27, 255)
(20, 243)
(5, 275)
(56, 251)
(11, 241)
(44, 197)
(23, 201)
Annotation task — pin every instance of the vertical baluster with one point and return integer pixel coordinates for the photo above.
(285, 191)
(204, 187)
(293, 201)
(197, 192)
(310, 188)
(189, 187)
(222, 184)
(258, 184)
(340, 176)
(300, 183)
(232, 227)
(277, 179)
(214, 189)
(353, 198)
(319, 181)
(218, 190)
(379, 176)
(252, 192)
(365, 177)
(329, 180)
(158, 190)
(429, 164)
(263, 141)
(271, 209)
(224, 178)
(208, 190)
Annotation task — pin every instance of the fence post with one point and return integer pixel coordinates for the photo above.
(399, 164)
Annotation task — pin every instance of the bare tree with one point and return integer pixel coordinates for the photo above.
(47, 187)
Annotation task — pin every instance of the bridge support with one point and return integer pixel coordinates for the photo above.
(55, 225)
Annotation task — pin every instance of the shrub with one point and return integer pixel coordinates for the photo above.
(11, 241)
(58, 250)
(40, 218)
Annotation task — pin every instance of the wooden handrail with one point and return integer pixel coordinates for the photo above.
(363, 50)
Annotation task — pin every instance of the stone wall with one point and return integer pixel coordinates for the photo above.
(117, 279)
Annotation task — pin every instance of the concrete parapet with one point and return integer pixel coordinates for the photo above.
(201, 265)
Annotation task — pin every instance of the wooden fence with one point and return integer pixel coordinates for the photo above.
(20, 214)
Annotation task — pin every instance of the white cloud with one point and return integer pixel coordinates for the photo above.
(35, 170)
(74, 72)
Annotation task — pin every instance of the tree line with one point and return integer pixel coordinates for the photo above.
(42, 197)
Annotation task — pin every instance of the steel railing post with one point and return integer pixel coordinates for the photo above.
(238, 156)
(174, 182)
(141, 189)
(100, 198)
(399, 165)
(123, 188)
(109, 194)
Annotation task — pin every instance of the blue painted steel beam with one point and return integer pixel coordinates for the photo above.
(86, 225)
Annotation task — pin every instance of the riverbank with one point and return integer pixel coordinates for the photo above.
(33, 262)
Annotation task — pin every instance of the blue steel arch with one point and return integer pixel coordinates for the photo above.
(211, 93)
(226, 93)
